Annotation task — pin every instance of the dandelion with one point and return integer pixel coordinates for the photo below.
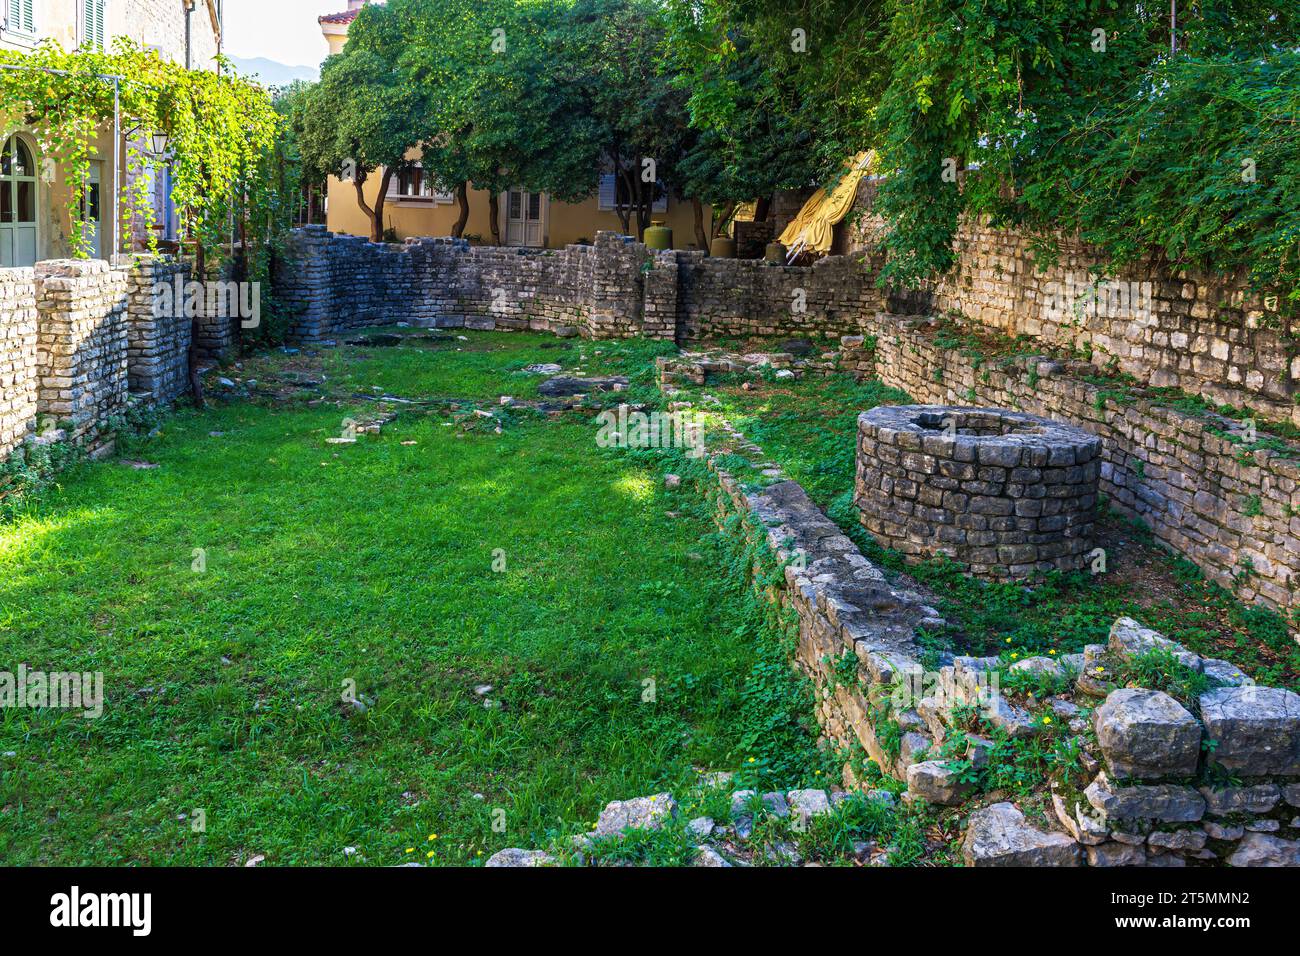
(429, 855)
(1008, 640)
(433, 836)
(1014, 655)
(1047, 720)
(410, 849)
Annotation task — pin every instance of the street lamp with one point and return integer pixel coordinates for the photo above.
(159, 144)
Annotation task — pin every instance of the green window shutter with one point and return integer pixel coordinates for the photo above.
(24, 16)
(92, 27)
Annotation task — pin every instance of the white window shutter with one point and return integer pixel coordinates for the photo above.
(608, 192)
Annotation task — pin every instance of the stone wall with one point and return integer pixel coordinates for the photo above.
(158, 340)
(1196, 332)
(77, 339)
(745, 297)
(614, 288)
(81, 343)
(17, 357)
(1235, 514)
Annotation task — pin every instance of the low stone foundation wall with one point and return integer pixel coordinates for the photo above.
(1235, 514)
(1147, 760)
(615, 288)
(1005, 494)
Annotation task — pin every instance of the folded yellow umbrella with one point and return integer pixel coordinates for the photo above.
(813, 230)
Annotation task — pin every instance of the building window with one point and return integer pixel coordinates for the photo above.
(613, 194)
(94, 34)
(412, 185)
(20, 17)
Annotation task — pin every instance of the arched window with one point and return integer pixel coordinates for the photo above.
(18, 195)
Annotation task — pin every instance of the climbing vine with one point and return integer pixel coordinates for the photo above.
(223, 142)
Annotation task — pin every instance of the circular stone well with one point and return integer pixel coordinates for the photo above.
(1004, 493)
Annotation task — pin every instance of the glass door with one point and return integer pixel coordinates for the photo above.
(18, 186)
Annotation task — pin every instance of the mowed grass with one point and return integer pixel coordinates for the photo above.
(366, 565)
(451, 363)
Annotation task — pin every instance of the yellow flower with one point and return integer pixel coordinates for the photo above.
(429, 855)
(1052, 652)
(1014, 655)
(410, 849)
(433, 836)
(751, 759)
(1008, 640)
(1100, 670)
(478, 853)
(1047, 720)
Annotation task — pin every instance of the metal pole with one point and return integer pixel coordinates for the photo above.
(1173, 28)
(117, 172)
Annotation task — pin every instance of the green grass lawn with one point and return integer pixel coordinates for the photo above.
(369, 563)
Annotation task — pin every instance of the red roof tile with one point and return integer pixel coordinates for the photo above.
(346, 17)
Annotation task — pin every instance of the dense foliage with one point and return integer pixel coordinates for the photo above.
(222, 138)
(1068, 114)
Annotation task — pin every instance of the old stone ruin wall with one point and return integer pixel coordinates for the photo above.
(726, 298)
(1235, 514)
(77, 341)
(1202, 333)
(336, 283)
(615, 288)
(1155, 770)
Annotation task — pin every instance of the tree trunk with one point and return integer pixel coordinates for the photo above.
(359, 184)
(241, 275)
(721, 217)
(378, 225)
(625, 211)
(462, 200)
(762, 208)
(494, 213)
(701, 237)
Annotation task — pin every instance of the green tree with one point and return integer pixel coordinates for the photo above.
(752, 134)
(368, 111)
(638, 114)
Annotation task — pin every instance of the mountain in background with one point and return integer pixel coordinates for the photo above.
(271, 73)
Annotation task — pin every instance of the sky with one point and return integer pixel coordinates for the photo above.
(282, 30)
